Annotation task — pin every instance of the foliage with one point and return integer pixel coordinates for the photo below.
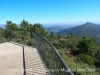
(87, 46)
(40, 29)
(72, 43)
(3, 40)
(30, 42)
(53, 36)
(77, 73)
(86, 58)
(72, 35)
(97, 58)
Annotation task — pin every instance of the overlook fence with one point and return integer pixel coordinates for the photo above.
(50, 57)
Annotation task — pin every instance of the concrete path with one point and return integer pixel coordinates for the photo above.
(12, 63)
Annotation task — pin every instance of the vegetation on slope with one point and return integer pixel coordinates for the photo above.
(88, 29)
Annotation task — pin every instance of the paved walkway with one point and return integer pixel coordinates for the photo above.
(12, 63)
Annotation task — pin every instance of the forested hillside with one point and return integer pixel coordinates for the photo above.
(84, 48)
(89, 29)
(58, 28)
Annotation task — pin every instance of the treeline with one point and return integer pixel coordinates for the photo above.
(87, 49)
(18, 33)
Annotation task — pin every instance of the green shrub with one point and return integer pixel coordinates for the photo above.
(30, 42)
(77, 73)
(18, 40)
(86, 58)
(3, 40)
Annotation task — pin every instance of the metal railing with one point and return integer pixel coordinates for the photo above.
(50, 56)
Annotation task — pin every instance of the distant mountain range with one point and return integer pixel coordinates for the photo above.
(88, 29)
(58, 28)
(2, 25)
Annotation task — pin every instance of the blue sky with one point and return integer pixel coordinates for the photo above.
(50, 11)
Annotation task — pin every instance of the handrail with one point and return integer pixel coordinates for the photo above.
(64, 64)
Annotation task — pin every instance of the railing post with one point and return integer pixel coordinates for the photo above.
(24, 61)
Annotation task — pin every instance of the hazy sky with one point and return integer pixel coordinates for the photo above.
(50, 11)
